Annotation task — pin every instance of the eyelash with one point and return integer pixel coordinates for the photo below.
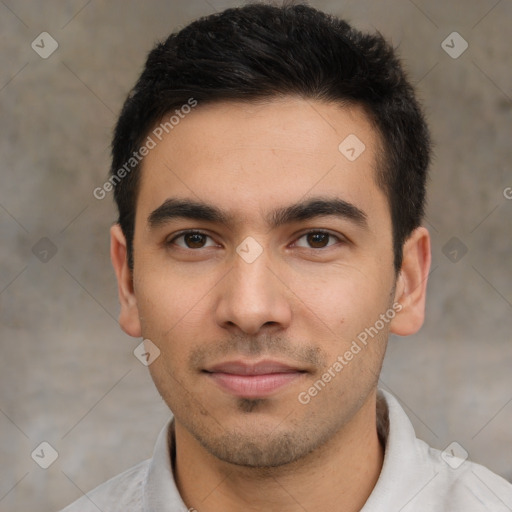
(195, 232)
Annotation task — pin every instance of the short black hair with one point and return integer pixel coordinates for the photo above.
(262, 51)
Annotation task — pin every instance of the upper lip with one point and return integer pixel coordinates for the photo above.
(264, 367)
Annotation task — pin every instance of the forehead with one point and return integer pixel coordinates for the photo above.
(244, 156)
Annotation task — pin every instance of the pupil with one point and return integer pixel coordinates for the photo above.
(194, 240)
(317, 239)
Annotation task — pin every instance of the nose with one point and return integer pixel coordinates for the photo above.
(253, 298)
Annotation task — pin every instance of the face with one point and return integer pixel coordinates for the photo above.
(262, 254)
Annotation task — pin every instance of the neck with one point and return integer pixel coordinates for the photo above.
(340, 475)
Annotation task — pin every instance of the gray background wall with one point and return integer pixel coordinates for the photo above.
(67, 372)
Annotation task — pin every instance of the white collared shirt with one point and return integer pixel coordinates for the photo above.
(414, 477)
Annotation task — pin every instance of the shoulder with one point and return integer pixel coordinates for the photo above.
(416, 477)
(120, 493)
(466, 485)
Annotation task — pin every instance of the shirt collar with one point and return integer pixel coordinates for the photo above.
(404, 464)
(160, 491)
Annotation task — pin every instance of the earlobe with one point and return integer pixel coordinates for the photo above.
(411, 286)
(129, 315)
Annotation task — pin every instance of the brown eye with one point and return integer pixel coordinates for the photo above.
(194, 240)
(318, 240)
(191, 240)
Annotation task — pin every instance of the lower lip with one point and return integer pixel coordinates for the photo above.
(253, 386)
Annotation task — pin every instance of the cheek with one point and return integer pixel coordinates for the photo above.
(344, 302)
(168, 301)
(163, 314)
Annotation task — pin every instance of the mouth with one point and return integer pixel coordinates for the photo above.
(253, 380)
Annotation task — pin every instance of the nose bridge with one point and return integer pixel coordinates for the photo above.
(253, 277)
(252, 296)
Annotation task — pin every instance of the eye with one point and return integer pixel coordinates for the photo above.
(317, 239)
(191, 240)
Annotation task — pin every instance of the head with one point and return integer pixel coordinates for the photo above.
(298, 249)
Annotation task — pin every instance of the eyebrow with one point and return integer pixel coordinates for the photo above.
(316, 207)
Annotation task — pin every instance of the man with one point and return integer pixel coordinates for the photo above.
(269, 168)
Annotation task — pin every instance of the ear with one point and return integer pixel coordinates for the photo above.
(411, 286)
(129, 315)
